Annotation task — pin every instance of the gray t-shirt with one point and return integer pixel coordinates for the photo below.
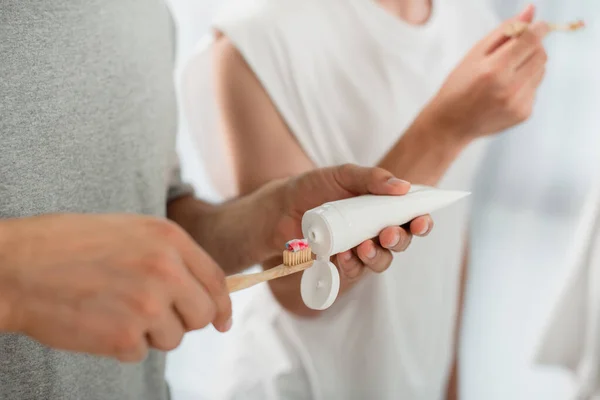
(87, 124)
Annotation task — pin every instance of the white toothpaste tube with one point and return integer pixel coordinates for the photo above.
(338, 226)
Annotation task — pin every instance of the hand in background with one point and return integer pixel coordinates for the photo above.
(494, 87)
(111, 285)
(323, 185)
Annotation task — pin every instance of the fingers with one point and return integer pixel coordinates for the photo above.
(518, 50)
(211, 276)
(538, 77)
(421, 226)
(498, 37)
(368, 255)
(524, 99)
(377, 256)
(532, 68)
(527, 14)
(194, 306)
(360, 180)
(540, 29)
(167, 332)
(351, 267)
(373, 256)
(395, 238)
(206, 271)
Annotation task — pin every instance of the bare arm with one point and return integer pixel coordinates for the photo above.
(245, 224)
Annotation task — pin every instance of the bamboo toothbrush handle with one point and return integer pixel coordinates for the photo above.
(244, 281)
(518, 27)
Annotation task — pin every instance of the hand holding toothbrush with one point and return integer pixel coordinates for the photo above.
(495, 85)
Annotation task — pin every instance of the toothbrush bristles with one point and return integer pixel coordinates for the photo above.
(291, 258)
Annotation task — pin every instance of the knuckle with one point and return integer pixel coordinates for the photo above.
(350, 268)
(504, 96)
(492, 75)
(145, 304)
(374, 173)
(345, 170)
(215, 280)
(341, 174)
(207, 314)
(167, 229)
(199, 323)
(171, 342)
(383, 263)
(162, 265)
(127, 340)
(522, 112)
(405, 241)
(196, 324)
(352, 273)
(174, 342)
(487, 74)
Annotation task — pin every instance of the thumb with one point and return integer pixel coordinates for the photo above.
(361, 180)
(337, 183)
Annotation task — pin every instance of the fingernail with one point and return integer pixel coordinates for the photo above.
(346, 256)
(395, 241)
(372, 253)
(397, 182)
(228, 325)
(424, 230)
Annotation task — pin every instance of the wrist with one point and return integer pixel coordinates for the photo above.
(270, 211)
(247, 224)
(444, 128)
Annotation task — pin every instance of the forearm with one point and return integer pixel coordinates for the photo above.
(237, 234)
(425, 151)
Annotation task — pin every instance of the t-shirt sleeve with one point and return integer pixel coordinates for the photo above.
(177, 186)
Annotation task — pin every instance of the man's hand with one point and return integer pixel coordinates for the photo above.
(323, 185)
(494, 86)
(110, 285)
(254, 228)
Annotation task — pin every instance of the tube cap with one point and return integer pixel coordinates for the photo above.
(319, 226)
(320, 285)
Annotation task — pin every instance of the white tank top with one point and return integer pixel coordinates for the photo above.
(348, 78)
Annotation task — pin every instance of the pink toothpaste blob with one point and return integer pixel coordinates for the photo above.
(296, 245)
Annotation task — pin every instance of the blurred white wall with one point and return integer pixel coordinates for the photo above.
(530, 195)
(531, 188)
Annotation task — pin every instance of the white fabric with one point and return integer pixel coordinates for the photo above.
(348, 78)
(572, 338)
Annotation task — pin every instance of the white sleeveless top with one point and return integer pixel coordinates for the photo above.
(348, 78)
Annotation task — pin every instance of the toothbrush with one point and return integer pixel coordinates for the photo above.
(517, 28)
(338, 226)
(296, 258)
